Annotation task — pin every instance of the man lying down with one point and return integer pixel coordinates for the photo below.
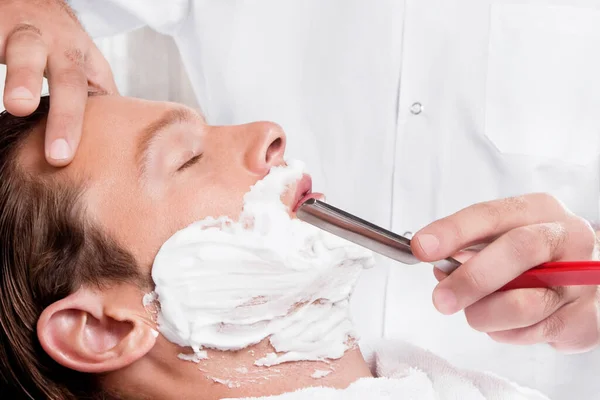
(166, 262)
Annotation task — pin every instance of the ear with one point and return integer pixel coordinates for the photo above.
(94, 331)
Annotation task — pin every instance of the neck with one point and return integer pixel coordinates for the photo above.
(161, 375)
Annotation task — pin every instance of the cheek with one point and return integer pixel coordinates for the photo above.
(144, 228)
(142, 223)
(215, 200)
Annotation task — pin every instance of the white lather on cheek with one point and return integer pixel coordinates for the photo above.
(227, 285)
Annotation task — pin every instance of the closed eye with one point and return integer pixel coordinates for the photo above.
(190, 162)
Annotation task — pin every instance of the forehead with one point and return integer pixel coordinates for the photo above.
(105, 166)
(113, 112)
(111, 128)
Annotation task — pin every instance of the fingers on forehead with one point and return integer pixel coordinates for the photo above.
(75, 56)
(26, 28)
(69, 91)
(20, 33)
(99, 72)
(26, 46)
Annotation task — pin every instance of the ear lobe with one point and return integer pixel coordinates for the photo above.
(85, 333)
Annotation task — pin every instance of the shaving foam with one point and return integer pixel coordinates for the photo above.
(319, 373)
(226, 285)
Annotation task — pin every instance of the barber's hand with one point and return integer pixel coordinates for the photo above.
(522, 233)
(43, 38)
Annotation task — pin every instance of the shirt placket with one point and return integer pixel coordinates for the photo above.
(414, 167)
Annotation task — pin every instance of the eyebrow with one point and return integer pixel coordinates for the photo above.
(151, 131)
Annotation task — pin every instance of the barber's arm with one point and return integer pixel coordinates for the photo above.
(44, 38)
(522, 233)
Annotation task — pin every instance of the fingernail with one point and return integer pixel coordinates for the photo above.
(60, 150)
(21, 93)
(445, 301)
(429, 243)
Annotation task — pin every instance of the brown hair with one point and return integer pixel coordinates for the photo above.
(48, 248)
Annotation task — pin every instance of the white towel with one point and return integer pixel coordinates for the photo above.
(407, 372)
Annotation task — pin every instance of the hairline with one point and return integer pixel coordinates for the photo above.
(74, 189)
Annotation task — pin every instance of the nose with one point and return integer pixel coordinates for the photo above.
(266, 146)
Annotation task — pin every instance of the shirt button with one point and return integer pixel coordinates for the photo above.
(416, 108)
(408, 234)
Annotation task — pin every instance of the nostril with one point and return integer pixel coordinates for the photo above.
(274, 149)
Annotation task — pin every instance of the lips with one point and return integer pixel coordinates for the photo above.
(304, 192)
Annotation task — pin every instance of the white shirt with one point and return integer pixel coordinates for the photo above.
(407, 111)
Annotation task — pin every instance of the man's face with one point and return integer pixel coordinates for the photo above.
(152, 168)
(148, 170)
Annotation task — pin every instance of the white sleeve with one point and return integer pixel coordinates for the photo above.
(103, 18)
